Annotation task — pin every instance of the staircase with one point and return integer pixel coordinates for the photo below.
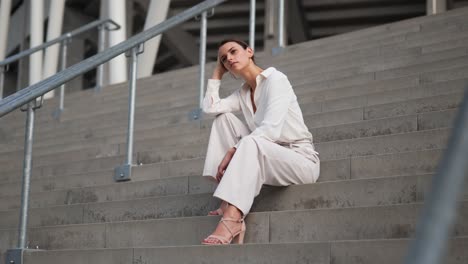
(315, 19)
(380, 103)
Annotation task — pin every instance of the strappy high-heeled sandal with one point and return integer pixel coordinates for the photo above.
(220, 240)
(220, 210)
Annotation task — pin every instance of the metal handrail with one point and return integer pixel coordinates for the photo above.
(253, 10)
(64, 39)
(30, 93)
(59, 39)
(439, 212)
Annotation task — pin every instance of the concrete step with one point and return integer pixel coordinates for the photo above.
(376, 222)
(186, 110)
(419, 162)
(392, 27)
(348, 114)
(386, 165)
(335, 168)
(162, 81)
(413, 38)
(161, 187)
(355, 77)
(141, 206)
(393, 51)
(378, 92)
(380, 66)
(332, 252)
(193, 130)
(320, 66)
(199, 135)
(194, 76)
(118, 111)
(385, 33)
(363, 12)
(347, 130)
(333, 118)
(372, 55)
(308, 108)
(413, 141)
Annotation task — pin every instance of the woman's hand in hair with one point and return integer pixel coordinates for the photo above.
(219, 71)
(224, 163)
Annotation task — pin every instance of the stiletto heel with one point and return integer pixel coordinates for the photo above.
(240, 238)
(220, 240)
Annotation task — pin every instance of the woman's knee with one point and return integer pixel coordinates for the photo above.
(223, 118)
(248, 143)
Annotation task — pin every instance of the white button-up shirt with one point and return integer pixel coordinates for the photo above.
(278, 117)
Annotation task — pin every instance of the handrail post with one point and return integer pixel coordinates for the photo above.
(27, 166)
(100, 69)
(197, 113)
(281, 36)
(281, 42)
(63, 66)
(203, 29)
(252, 24)
(124, 172)
(16, 255)
(2, 80)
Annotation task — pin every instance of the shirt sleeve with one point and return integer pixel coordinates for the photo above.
(213, 105)
(278, 98)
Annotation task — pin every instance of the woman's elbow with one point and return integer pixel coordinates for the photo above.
(209, 111)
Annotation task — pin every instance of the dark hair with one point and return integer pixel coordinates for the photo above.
(238, 41)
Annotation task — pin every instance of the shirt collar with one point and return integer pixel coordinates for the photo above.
(267, 72)
(263, 75)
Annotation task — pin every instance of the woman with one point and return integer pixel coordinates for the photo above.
(275, 147)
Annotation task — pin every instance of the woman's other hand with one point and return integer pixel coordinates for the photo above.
(219, 71)
(224, 163)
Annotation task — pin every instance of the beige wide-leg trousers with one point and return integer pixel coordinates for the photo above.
(257, 161)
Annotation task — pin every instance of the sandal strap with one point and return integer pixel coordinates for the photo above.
(227, 227)
(231, 220)
(225, 219)
(219, 238)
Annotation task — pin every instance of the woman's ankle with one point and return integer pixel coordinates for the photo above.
(232, 212)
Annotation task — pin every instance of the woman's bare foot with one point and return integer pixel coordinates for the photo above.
(220, 210)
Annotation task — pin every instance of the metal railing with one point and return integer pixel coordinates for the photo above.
(281, 35)
(439, 212)
(64, 40)
(132, 47)
(253, 10)
(28, 95)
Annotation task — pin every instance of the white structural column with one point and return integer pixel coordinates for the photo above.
(5, 7)
(118, 65)
(436, 6)
(157, 13)
(54, 30)
(37, 37)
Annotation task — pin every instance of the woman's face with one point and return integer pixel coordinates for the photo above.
(234, 57)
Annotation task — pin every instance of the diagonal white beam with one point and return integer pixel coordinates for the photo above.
(37, 38)
(118, 65)
(157, 13)
(5, 7)
(53, 31)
